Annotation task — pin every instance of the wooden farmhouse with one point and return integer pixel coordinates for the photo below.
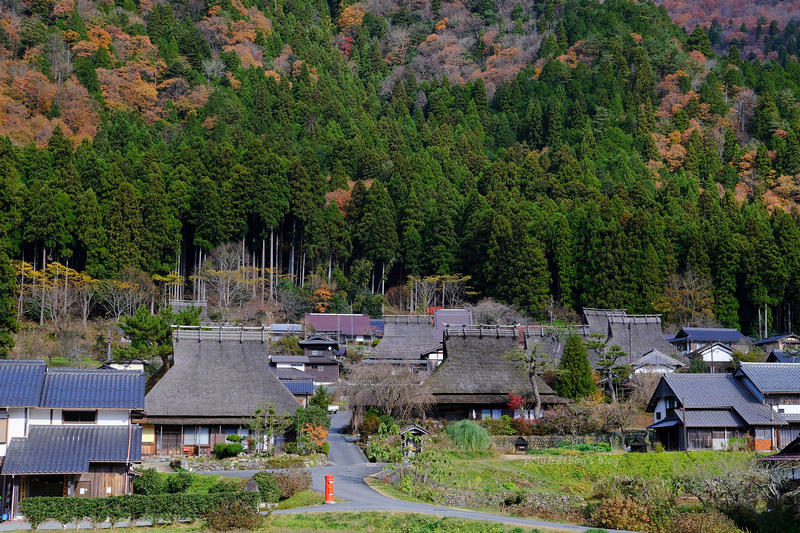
(66, 432)
(207, 395)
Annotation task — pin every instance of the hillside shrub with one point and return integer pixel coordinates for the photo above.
(149, 483)
(290, 482)
(501, 426)
(469, 436)
(268, 487)
(223, 450)
(702, 522)
(157, 508)
(622, 512)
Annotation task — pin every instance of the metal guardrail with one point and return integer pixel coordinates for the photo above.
(221, 333)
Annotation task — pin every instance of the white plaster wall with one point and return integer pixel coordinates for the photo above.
(717, 355)
(112, 417)
(661, 407)
(789, 409)
(39, 417)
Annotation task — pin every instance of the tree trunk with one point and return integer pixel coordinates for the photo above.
(291, 257)
(330, 266)
(263, 272)
(21, 288)
(271, 260)
(41, 302)
(537, 400)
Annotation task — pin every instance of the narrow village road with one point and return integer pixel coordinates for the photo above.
(349, 467)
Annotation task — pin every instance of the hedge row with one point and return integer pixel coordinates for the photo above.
(157, 509)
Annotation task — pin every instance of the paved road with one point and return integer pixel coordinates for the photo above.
(349, 467)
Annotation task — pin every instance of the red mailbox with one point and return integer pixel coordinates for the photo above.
(329, 489)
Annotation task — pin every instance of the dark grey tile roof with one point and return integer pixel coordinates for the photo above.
(290, 373)
(217, 379)
(478, 366)
(711, 418)
(297, 386)
(709, 335)
(784, 356)
(715, 391)
(772, 377)
(774, 338)
(98, 389)
(21, 382)
(792, 418)
(70, 449)
(296, 359)
(656, 358)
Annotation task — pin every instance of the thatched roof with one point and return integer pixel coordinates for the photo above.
(475, 370)
(217, 380)
(406, 338)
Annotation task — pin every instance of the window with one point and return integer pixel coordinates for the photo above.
(763, 433)
(193, 436)
(700, 439)
(79, 417)
(658, 416)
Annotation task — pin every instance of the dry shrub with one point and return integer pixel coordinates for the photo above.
(290, 482)
(702, 522)
(622, 512)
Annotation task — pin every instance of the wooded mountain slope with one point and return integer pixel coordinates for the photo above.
(603, 168)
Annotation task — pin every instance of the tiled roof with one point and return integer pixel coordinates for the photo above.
(709, 335)
(784, 356)
(772, 377)
(70, 449)
(32, 384)
(287, 328)
(711, 418)
(344, 324)
(21, 382)
(297, 386)
(99, 389)
(709, 391)
(774, 338)
(294, 359)
(656, 358)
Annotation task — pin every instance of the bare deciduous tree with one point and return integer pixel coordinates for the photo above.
(59, 56)
(391, 390)
(228, 276)
(489, 311)
(122, 296)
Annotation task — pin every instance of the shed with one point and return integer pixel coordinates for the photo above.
(520, 444)
(638, 445)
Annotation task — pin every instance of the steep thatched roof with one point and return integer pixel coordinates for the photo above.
(476, 370)
(217, 380)
(406, 338)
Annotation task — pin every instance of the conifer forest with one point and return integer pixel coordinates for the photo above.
(550, 154)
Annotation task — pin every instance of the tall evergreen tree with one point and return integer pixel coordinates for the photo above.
(574, 376)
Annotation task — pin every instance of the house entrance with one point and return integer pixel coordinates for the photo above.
(169, 440)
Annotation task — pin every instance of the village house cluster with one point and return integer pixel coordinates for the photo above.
(80, 432)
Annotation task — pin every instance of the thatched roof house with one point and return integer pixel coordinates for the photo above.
(407, 341)
(208, 392)
(476, 377)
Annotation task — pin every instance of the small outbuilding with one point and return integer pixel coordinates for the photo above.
(638, 445)
(411, 438)
(520, 444)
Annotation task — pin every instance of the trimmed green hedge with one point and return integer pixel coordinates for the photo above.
(159, 508)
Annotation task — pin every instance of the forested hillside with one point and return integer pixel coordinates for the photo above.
(590, 152)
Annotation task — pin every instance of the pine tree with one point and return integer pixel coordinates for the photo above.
(574, 379)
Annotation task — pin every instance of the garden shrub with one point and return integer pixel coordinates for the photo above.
(151, 482)
(326, 448)
(268, 487)
(622, 512)
(223, 450)
(157, 508)
(369, 427)
(290, 482)
(469, 436)
(236, 516)
(233, 438)
(179, 482)
(523, 426)
(708, 520)
(501, 426)
(224, 487)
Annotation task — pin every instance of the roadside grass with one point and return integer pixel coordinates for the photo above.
(304, 498)
(386, 521)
